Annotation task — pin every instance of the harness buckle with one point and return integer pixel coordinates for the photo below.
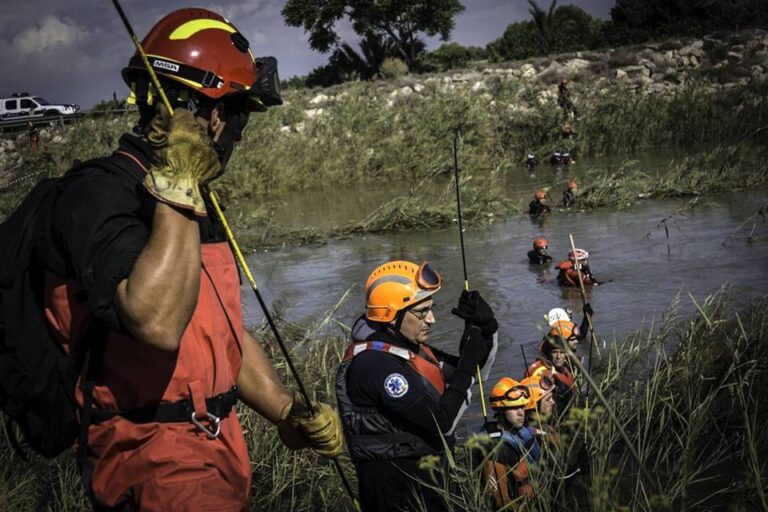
(210, 433)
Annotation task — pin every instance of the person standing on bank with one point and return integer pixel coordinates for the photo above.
(140, 278)
(400, 398)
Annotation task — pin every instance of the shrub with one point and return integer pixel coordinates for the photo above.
(393, 68)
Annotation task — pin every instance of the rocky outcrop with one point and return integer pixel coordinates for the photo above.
(717, 61)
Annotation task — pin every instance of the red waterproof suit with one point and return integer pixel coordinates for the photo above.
(168, 466)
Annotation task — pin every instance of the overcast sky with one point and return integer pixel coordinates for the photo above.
(72, 51)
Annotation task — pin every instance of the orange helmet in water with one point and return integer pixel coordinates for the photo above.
(540, 243)
(397, 285)
(540, 194)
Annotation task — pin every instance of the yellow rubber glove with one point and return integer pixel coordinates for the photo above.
(184, 159)
(321, 431)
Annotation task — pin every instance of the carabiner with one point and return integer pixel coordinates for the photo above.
(215, 420)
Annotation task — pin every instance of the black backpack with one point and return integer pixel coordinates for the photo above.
(37, 377)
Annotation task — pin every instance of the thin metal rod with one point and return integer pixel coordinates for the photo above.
(593, 336)
(458, 207)
(137, 44)
(463, 255)
(236, 248)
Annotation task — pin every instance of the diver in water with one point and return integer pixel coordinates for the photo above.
(531, 162)
(539, 254)
(569, 194)
(539, 204)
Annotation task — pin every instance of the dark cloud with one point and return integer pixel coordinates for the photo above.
(73, 51)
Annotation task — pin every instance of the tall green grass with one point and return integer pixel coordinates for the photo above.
(689, 391)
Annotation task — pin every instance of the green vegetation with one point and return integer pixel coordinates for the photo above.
(364, 135)
(687, 391)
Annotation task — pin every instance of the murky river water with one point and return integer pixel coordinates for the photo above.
(646, 272)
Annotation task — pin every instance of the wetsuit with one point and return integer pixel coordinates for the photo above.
(536, 258)
(396, 400)
(536, 207)
(569, 198)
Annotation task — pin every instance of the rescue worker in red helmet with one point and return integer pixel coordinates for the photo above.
(399, 398)
(141, 281)
(539, 204)
(506, 472)
(539, 254)
(568, 274)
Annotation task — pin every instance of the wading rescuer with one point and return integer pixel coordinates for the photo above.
(553, 357)
(569, 194)
(539, 255)
(141, 282)
(568, 275)
(539, 204)
(399, 398)
(506, 474)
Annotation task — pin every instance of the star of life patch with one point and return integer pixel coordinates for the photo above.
(396, 385)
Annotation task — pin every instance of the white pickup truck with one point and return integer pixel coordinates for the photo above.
(22, 105)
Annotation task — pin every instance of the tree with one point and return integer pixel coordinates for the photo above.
(545, 23)
(400, 20)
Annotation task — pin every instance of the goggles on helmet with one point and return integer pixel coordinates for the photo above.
(513, 393)
(427, 278)
(546, 382)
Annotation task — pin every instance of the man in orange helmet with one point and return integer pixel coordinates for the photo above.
(539, 204)
(399, 398)
(141, 285)
(569, 194)
(539, 254)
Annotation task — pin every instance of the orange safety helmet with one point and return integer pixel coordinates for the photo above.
(540, 242)
(562, 330)
(540, 194)
(397, 285)
(540, 385)
(205, 52)
(508, 394)
(573, 186)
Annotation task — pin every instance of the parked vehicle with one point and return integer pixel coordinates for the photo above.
(23, 105)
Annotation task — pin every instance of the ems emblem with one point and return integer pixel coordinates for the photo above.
(396, 385)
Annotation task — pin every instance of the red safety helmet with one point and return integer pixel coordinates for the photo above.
(541, 195)
(540, 242)
(202, 51)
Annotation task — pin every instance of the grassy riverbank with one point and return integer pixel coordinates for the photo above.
(367, 136)
(689, 394)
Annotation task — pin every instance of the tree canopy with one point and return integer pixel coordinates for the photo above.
(399, 20)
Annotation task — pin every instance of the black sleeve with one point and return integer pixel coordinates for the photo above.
(392, 384)
(101, 225)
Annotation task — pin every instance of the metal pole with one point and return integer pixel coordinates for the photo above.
(463, 255)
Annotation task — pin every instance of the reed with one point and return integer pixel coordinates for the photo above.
(688, 390)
